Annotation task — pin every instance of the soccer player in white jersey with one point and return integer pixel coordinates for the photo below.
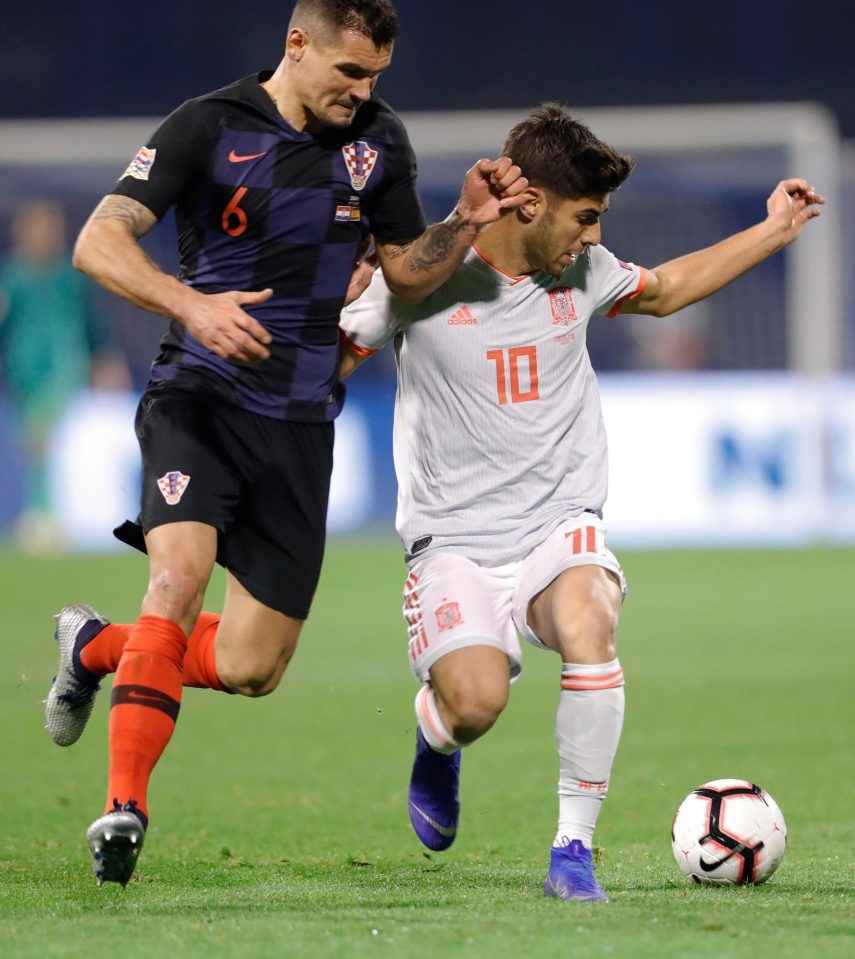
(501, 460)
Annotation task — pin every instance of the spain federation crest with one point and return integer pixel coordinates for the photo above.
(172, 485)
(359, 159)
(448, 615)
(563, 307)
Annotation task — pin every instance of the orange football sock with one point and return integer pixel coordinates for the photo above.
(200, 664)
(101, 655)
(144, 707)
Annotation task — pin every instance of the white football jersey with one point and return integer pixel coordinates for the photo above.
(498, 428)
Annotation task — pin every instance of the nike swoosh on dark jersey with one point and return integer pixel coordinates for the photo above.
(237, 158)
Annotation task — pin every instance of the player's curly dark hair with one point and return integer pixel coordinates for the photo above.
(560, 154)
(375, 19)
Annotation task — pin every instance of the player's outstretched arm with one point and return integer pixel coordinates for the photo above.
(690, 278)
(109, 252)
(413, 270)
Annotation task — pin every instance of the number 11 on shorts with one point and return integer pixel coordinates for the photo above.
(588, 544)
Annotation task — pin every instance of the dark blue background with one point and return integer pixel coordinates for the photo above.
(100, 58)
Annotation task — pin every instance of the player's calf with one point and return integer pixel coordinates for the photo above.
(259, 672)
(254, 644)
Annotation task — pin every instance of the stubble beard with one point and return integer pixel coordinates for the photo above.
(536, 246)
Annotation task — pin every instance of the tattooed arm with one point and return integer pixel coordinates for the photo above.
(108, 251)
(413, 270)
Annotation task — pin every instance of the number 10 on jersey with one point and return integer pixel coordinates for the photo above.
(508, 364)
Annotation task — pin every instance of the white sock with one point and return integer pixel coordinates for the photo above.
(432, 726)
(587, 732)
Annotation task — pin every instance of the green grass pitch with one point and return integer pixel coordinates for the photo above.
(279, 826)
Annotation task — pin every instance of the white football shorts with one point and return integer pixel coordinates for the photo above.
(451, 602)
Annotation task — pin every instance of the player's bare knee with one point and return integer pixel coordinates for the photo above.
(253, 683)
(473, 709)
(175, 592)
(253, 687)
(587, 632)
(254, 680)
(473, 723)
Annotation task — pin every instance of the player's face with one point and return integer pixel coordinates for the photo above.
(337, 75)
(564, 230)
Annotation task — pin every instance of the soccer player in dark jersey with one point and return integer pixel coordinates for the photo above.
(277, 181)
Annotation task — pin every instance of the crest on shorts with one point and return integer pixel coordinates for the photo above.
(563, 308)
(172, 485)
(359, 159)
(448, 615)
(140, 167)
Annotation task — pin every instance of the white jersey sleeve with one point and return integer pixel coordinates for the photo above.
(372, 320)
(614, 282)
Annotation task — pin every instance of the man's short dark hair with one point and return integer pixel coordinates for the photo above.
(375, 19)
(559, 154)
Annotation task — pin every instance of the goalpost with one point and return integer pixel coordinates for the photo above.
(754, 144)
(752, 468)
(804, 135)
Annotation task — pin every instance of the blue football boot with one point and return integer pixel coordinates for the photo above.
(571, 874)
(434, 803)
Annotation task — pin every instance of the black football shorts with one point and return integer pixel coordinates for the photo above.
(262, 483)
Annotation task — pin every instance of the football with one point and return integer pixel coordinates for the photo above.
(728, 832)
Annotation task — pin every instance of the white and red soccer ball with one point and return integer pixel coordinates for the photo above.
(728, 832)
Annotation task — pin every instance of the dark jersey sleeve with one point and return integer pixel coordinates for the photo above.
(397, 212)
(175, 156)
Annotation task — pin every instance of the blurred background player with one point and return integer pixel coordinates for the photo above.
(277, 181)
(53, 345)
(501, 459)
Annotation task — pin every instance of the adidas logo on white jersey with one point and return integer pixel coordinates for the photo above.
(462, 317)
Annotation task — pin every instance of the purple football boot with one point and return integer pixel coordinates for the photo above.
(434, 804)
(571, 874)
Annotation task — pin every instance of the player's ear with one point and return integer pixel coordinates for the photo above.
(296, 43)
(534, 203)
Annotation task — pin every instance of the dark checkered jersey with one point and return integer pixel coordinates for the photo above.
(259, 204)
